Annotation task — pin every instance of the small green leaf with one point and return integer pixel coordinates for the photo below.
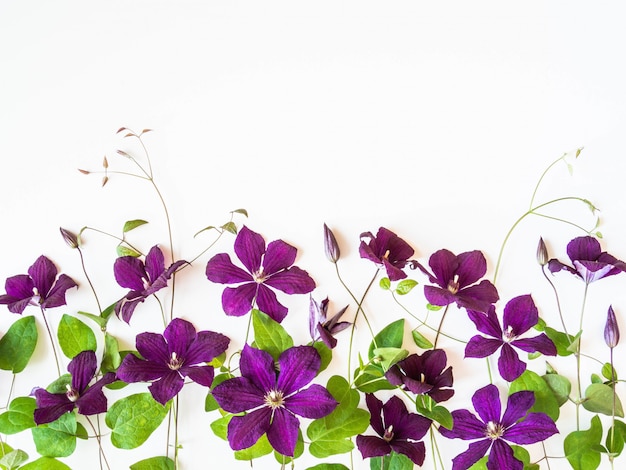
(427, 407)
(19, 416)
(433, 308)
(609, 372)
(111, 358)
(329, 466)
(58, 438)
(154, 463)
(579, 447)
(45, 463)
(123, 250)
(545, 401)
(220, 426)
(326, 354)
(371, 378)
(615, 438)
(393, 461)
(560, 340)
(405, 286)
(258, 449)
(575, 343)
(385, 283)
(18, 344)
(420, 340)
(561, 387)
(523, 456)
(230, 227)
(12, 460)
(75, 337)
(390, 336)
(210, 227)
(240, 211)
(269, 335)
(599, 399)
(387, 357)
(133, 224)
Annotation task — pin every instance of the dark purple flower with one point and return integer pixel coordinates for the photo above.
(272, 398)
(399, 430)
(520, 315)
(611, 329)
(387, 250)
(265, 268)
(322, 328)
(456, 277)
(143, 279)
(169, 358)
(589, 262)
(88, 400)
(39, 287)
(492, 431)
(424, 375)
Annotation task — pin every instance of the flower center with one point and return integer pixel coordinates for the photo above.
(453, 285)
(386, 255)
(259, 276)
(494, 430)
(508, 335)
(388, 436)
(274, 399)
(71, 394)
(175, 362)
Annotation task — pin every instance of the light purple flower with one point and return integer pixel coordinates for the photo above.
(387, 250)
(265, 268)
(88, 400)
(322, 328)
(39, 287)
(399, 430)
(520, 315)
(492, 431)
(455, 277)
(169, 358)
(424, 375)
(272, 398)
(143, 279)
(611, 329)
(589, 262)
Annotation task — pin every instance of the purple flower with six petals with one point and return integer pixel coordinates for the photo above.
(88, 400)
(266, 267)
(388, 250)
(39, 287)
(399, 430)
(273, 399)
(520, 315)
(169, 358)
(456, 277)
(143, 279)
(493, 432)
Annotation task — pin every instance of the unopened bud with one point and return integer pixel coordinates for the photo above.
(69, 237)
(331, 247)
(105, 162)
(542, 253)
(105, 180)
(611, 330)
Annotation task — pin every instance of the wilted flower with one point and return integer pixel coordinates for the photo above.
(590, 263)
(272, 398)
(455, 276)
(170, 358)
(39, 287)
(611, 329)
(399, 430)
(320, 327)
(424, 375)
(388, 250)
(520, 315)
(143, 279)
(492, 431)
(331, 247)
(265, 268)
(88, 400)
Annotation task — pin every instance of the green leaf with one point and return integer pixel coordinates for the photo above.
(371, 378)
(579, 447)
(405, 286)
(332, 434)
(154, 463)
(133, 419)
(561, 387)
(615, 438)
(210, 227)
(609, 372)
(240, 211)
(480, 465)
(384, 283)
(210, 403)
(19, 416)
(75, 337)
(433, 308)
(220, 427)
(111, 358)
(427, 407)
(393, 461)
(12, 460)
(58, 438)
(574, 347)
(133, 224)
(45, 463)
(599, 399)
(230, 227)
(59, 385)
(269, 335)
(258, 449)
(18, 344)
(329, 466)
(523, 456)
(102, 319)
(326, 354)
(545, 401)
(560, 340)
(123, 250)
(420, 340)
(389, 337)
(387, 357)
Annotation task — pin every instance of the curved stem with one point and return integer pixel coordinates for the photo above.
(558, 303)
(101, 454)
(82, 263)
(580, 393)
(51, 336)
(443, 316)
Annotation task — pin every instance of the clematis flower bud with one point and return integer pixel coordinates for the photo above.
(611, 330)
(331, 247)
(69, 237)
(542, 253)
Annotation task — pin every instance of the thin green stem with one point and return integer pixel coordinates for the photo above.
(93, 290)
(11, 390)
(545, 172)
(578, 348)
(558, 302)
(51, 336)
(176, 447)
(121, 240)
(102, 457)
(443, 316)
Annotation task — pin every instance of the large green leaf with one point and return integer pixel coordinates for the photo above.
(19, 416)
(561, 387)
(18, 344)
(75, 336)
(133, 419)
(329, 466)
(390, 336)
(580, 447)
(599, 399)
(45, 463)
(58, 438)
(269, 335)
(393, 461)
(154, 463)
(545, 401)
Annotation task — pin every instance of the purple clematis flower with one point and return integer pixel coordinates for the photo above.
(387, 250)
(520, 315)
(424, 375)
(399, 430)
(320, 327)
(265, 268)
(169, 358)
(273, 399)
(492, 431)
(589, 262)
(143, 279)
(456, 277)
(39, 287)
(88, 400)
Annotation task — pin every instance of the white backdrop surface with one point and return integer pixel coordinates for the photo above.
(433, 119)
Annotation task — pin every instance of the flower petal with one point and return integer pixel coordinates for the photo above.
(520, 314)
(584, 248)
(465, 426)
(56, 296)
(207, 346)
(486, 402)
(50, 406)
(473, 454)
(540, 343)
(43, 272)
(291, 281)
(298, 366)
(486, 322)
(258, 366)
(438, 296)
(237, 301)
(283, 432)
(130, 272)
(314, 402)
(245, 431)
(375, 407)
(535, 427)
(278, 256)
(152, 347)
(501, 456)
(405, 425)
(444, 265)
(220, 269)
(238, 394)
(155, 263)
(472, 266)
(179, 334)
(202, 375)
(268, 304)
(416, 451)
(478, 297)
(372, 446)
(20, 286)
(93, 401)
(167, 387)
(517, 406)
(394, 273)
(83, 368)
(510, 365)
(132, 369)
(249, 247)
(479, 346)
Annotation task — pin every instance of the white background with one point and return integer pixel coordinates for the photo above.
(434, 119)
